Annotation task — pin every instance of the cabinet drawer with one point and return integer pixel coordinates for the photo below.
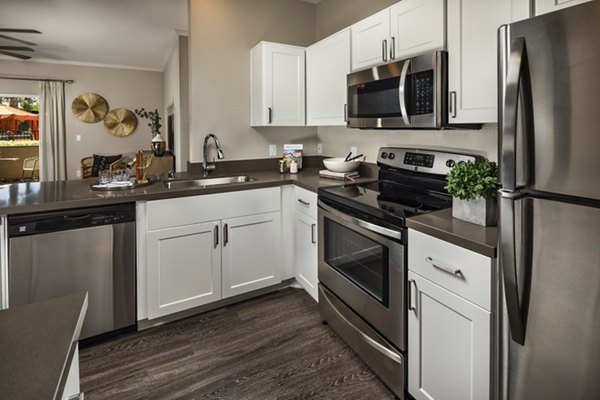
(305, 201)
(454, 268)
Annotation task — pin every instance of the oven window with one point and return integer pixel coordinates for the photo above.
(360, 259)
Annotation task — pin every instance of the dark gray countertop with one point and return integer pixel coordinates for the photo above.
(37, 342)
(19, 198)
(440, 224)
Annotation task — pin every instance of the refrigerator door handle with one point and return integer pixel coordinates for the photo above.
(508, 264)
(517, 84)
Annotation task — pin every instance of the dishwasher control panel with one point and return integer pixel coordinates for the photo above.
(56, 221)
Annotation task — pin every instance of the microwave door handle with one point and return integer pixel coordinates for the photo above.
(402, 92)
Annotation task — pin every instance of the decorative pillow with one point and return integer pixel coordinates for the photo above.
(102, 163)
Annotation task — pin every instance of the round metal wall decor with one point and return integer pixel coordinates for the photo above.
(120, 122)
(89, 107)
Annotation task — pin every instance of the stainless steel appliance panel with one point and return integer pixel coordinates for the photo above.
(559, 299)
(550, 96)
(385, 361)
(99, 260)
(410, 93)
(385, 313)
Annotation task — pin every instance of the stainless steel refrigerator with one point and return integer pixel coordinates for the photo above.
(549, 89)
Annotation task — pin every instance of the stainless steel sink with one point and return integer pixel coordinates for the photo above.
(204, 182)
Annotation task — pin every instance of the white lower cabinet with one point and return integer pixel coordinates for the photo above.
(449, 345)
(200, 249)
(451, 311)
(305, 253)
(184, 268)
(251, 253)
(305, 240)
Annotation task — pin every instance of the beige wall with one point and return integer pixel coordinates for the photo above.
(222, 32)
(121, 88)
(333, 15)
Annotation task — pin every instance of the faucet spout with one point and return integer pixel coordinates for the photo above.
(205, 165)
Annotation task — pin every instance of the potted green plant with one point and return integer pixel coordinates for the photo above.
(473, 187)
(158, 142)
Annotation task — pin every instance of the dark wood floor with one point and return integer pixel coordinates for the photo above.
(272, 347)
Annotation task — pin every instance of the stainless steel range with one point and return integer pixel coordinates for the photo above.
(362, 254)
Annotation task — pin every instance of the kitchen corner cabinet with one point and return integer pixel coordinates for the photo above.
(305, 241)
(546, 6)
(405, 29)
(251, 247)
(472, 56)
(327, 64)
(451, 339)
(277, 85)
(200, 249)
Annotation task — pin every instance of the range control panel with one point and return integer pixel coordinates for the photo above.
(429, 161)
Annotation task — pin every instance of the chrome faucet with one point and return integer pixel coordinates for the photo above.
(209, 167)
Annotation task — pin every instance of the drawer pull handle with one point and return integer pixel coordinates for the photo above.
(441, 267)
(306, 203)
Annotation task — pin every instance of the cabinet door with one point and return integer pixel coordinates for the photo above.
(305, 253)
(417, 26)
(472, 56)
(449, 344)
(278, 85)
(546, 6)
(183, 268)
(251, 253)
(327, 64)
(370, 40)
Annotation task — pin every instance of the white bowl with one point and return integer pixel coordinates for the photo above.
(337, 164)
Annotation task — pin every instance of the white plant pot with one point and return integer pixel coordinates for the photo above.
(479, 211)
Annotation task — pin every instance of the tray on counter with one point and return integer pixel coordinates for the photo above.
(112, 187)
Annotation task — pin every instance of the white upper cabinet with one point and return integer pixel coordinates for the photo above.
(327, 64)
(405, 29)
(277, 85)
(417, 26)
(370, 40)
(546, 6)
(472, 56)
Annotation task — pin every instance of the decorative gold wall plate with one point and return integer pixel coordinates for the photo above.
(120, 122)
(89, 107)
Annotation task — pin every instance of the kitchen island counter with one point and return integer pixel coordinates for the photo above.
(38, 343)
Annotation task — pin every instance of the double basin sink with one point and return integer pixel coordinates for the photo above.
(206, 182)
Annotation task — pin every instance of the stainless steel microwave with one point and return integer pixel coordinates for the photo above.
(407, 94)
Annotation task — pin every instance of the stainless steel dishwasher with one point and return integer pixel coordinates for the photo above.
(87, 249)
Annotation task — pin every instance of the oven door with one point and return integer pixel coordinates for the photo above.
(363, 265)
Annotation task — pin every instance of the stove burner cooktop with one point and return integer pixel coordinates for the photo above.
(390, 202)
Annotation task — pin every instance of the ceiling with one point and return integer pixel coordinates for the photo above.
(125, 33)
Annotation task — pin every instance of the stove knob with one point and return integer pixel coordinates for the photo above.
(450, 163)
(384, 155)
(392, 156)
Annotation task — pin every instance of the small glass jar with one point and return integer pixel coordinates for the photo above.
(293, 167)
(281, 167)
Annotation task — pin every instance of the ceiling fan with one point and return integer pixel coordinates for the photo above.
(10, 50)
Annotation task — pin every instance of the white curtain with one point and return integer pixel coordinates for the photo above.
(53, 159)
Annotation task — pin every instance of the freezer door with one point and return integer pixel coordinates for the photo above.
(550, 96)
(560, 299)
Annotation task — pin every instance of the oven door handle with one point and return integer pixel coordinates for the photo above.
(371, 342)
(390, 233)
